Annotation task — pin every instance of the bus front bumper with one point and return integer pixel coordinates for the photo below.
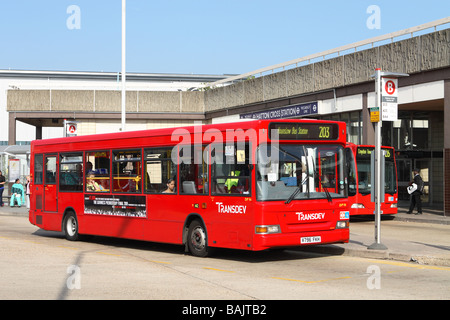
(267, 241)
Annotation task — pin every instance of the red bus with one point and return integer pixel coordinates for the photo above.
(359, 185)
(250, 185)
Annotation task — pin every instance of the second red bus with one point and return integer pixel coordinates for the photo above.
(359, 180)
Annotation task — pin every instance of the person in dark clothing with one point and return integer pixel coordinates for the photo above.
(415, 197)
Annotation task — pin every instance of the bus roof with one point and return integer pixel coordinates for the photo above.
(222, 127)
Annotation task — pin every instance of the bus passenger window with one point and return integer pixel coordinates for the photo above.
(50, 170)
(92, 185)
(127, 171)
(97, 164)
(193, 170)
(159, 170)
(231, 170)
(38, 168)
(71, 172)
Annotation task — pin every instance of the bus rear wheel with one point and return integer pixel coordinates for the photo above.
(70, 226)
(196, 240)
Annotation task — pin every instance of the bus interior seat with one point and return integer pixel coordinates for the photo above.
(189, 187)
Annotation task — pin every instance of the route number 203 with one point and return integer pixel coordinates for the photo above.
(324, 132)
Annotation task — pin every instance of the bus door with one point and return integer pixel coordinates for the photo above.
(50, 187)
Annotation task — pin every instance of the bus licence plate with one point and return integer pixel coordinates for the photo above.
(306, 240)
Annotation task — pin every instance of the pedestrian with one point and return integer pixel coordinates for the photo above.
(416, 190)
(17, 194)
(28, 191)
(2, 187)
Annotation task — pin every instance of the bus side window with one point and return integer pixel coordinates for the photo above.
(71, 172)
(127, 171)
(231, 170)
(158, 170)
(97, 164)
(38, 168)
(193, 170)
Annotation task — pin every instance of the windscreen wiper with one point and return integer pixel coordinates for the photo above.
(297, 190)
(326, 191)
(292, 196)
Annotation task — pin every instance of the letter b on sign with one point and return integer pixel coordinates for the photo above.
(390, 87)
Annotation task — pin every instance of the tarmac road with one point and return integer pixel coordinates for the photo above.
(38, 264)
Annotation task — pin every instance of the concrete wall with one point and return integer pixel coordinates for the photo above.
(105, 101)
(422, 53)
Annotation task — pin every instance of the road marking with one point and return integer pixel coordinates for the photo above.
(71, 248)
(161, 262)
(109, 254)
(32, 241)
(310, 282)
(214, 269)
(410, 265)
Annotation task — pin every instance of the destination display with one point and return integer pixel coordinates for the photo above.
(304, 131)
(365, 152)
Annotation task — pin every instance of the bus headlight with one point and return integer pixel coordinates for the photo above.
(357, 206)
(267, 229)
(342, 224)
(394, 205)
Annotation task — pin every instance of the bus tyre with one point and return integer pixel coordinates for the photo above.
(70, 226)
(196, 239)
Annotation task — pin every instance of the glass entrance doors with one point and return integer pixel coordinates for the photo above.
(405, 176)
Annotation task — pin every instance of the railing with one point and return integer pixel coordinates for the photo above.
(339, 50)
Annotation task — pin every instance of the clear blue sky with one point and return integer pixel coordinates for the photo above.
(197, 36)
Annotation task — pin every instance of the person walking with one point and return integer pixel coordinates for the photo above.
(415, 196)
(28, 191)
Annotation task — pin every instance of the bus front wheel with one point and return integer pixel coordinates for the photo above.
(70, 226)
(196, 240)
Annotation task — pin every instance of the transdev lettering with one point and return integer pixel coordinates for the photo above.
(310, 216)
(223, 208)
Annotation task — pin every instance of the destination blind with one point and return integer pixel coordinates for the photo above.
(365, 152)
(304, 131)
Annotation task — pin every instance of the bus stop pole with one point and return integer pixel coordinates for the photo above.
(377, 245)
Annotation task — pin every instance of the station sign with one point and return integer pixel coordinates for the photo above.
(297, 110)
(389, 99)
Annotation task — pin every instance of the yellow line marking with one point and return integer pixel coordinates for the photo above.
(109, 254)
(32, 241)
(161, 262)
(410, 265)
(4, 237)
(71, 248)
(310, 282)
(214, 269)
